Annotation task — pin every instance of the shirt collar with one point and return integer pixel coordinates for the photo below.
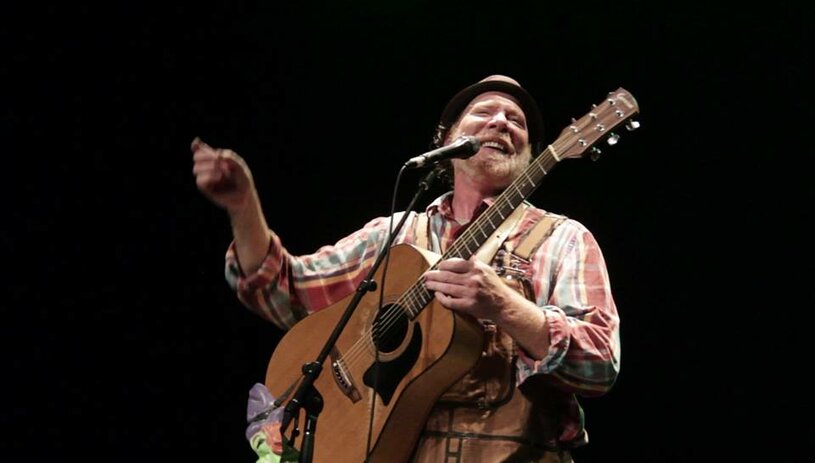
(443, 205)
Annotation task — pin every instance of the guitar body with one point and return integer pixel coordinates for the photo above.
(407, 365)
(416, 361)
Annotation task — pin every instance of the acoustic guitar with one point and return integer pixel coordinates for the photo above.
(390, 364)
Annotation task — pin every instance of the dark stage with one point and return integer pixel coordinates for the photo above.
(122, 341)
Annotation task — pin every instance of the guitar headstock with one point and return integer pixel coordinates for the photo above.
(599, 123)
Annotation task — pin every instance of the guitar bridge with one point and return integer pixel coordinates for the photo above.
(343, 380)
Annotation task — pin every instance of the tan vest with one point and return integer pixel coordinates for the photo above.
(484, 417)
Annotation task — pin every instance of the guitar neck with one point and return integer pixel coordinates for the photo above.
(417, 297)
(512, 197)
(580, 136)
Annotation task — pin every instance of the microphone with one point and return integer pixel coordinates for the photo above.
(462, 148)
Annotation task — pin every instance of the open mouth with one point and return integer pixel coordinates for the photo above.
(497, 145)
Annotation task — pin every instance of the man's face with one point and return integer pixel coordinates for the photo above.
(499, 123)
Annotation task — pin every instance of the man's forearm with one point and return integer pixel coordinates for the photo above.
(251, 234)
(526, 323)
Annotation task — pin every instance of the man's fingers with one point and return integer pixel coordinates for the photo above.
(445, 288)
(228, 159)
(208, 176)
(203, 155)
(198, 144)
(457, 277)
(449, 301)
(207, 166)
(455, 264)
(215, 159)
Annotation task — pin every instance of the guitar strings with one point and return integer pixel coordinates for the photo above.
(395, 311)
(377, 330)
(393, 314)
(456, 250)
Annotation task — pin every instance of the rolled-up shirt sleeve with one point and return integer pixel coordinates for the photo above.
(286, 287)
(572, 288)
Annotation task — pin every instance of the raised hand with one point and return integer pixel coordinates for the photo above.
(222, 176)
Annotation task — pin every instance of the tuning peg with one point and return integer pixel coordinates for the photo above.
(632, 125)
(612, 139)
(594, 153)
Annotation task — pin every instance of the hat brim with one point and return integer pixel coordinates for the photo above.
(534, 119)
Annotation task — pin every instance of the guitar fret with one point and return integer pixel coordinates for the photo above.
(481, 230)
(456, 251)
(421, 299)
(519, 198)
(517, 190)
(427, 296)
(411, 302)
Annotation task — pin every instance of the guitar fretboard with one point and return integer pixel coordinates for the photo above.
(415, 299)
(618, 107)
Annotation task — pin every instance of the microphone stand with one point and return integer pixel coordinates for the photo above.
(306, 396)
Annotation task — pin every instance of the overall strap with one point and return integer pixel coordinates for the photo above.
(490, 247)
(539, 232)
(422, 231)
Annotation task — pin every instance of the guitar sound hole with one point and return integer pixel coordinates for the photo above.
(390, 328)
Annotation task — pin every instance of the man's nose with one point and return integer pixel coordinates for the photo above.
(499, 120)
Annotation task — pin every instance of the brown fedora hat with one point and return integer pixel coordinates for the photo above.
(494, 83)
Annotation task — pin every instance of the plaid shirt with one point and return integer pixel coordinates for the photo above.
(567, 272)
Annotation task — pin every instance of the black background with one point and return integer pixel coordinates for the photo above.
(121, 340)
